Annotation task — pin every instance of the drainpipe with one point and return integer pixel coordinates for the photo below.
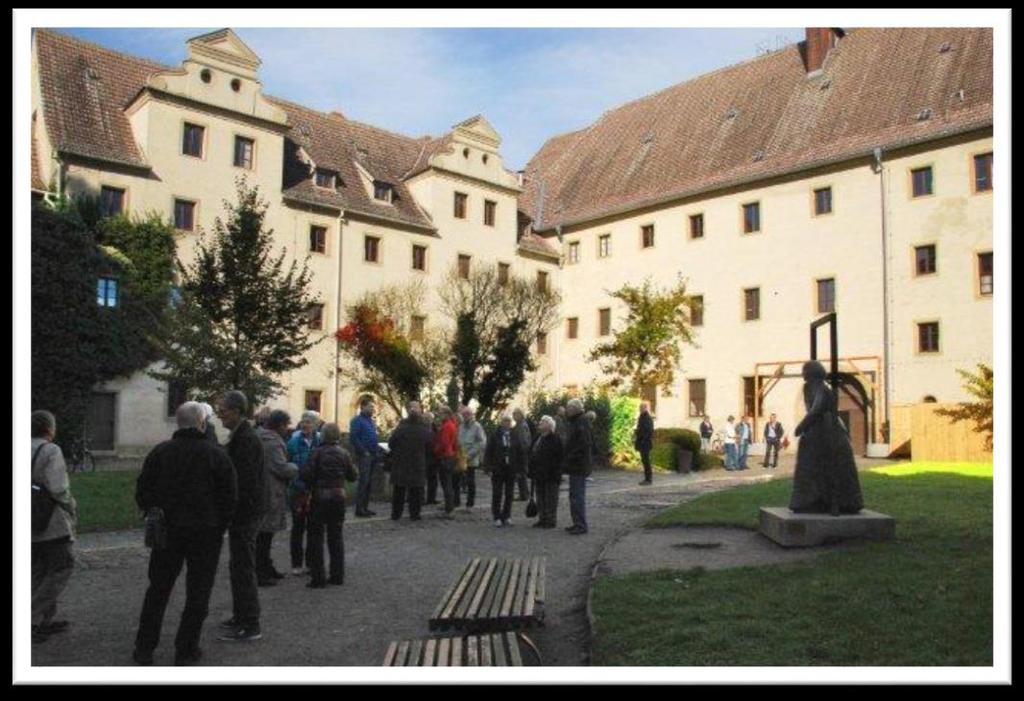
(337, 321)
(558, 352)
(885, 293)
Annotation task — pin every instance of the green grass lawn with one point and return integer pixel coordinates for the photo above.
(106, 500)
(923, 599)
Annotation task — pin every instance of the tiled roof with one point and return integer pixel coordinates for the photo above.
(763, 118)
(534, 243)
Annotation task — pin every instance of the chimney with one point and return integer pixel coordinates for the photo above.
(819, 41)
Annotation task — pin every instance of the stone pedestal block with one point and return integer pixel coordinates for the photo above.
(803, 530)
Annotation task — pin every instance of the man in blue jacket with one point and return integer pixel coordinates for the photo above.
(362, 433)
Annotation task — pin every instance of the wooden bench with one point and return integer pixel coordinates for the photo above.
(494, 595)
(493, 650)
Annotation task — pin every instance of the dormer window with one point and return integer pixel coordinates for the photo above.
(325, 178)
(382, 191)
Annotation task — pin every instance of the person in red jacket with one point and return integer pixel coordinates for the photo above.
(446, 448)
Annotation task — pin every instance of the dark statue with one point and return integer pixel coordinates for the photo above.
(825, 481)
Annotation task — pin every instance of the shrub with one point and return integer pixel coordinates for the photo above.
(593, 400)
(687, 440)
(663, 455)
(624, 413)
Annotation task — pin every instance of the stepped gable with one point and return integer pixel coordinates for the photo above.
(767, 117)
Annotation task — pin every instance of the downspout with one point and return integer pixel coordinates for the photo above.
(885, 296)
(337, 322)
(561, 266)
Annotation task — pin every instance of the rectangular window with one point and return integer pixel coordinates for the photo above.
(604, 322)
(696, 226)
(111, 201)
(324, 178)
(419, 257)
(312, 400)
(698, 402)
(574, 252)
(460, 205)
(243, 152)
(464, 266)
(604, 246)
(489, 209)
(177, 394)
(184, 215)
(318, 239)
(752, 304)
(542, 281)
(985, 273)
(921, 179)
(381, 191)
(542, 344)
(751, 217)
(416, 328)
(826, 295)
(925, 260)
(647, 236)
(573, 327)
(928, 337)
(192, 140)
(106, 292)
(371, 249)
(750, 393)
(697, 310)
(503, 269)
(316, 316)
(823, 201)
(983, 172)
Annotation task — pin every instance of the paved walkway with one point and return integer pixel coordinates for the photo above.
(395, 575)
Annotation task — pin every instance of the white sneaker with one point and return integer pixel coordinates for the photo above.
(297, 571)
(497, 523)
(508, 522)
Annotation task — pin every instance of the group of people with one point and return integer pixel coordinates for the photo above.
(738, 437)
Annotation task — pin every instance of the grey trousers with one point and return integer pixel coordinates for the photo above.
(52, 564)
(546, 494)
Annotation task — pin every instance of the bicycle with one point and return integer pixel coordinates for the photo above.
(718, 442)
(79, 458)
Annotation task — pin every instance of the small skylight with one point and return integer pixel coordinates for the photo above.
(825, 84)
(759, 155)
(647, 138)
(924, 114)
(733, 113)
(946, 47)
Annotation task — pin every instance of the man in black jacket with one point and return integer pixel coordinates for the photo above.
(246, 452)
(643, 440)
(773, 434)
(579, 459)
(193, 482)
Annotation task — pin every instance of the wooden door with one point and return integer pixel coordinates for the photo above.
(101, 421)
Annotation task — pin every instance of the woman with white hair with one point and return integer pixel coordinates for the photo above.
(546, 471)
(211, 431)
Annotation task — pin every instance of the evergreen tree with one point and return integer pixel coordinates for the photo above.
(243, 316)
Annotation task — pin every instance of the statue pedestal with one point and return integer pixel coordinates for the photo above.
(803, 530)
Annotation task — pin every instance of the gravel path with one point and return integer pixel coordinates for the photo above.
(395, 575)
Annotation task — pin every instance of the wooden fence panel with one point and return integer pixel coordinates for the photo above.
(937, 438)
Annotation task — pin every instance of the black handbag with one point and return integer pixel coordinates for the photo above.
(531, 506)
(43, 502)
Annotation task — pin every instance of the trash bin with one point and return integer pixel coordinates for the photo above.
(684, 461)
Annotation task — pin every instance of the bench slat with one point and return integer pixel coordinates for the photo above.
(531, 588)
(471, 651)
(389, 656)
(541, 576)
(414, 654)
(444, 652)
(428, 652)
(456, 658)
(515, 659)
(485, 651)
(403, 653)
(500, 657)
(457, 592)
(478, 598)
(518, 601)
(488, 601)
(510, 590)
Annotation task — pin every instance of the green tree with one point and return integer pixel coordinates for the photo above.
(242, 320)
(980, 412)
(496, 324)
(648, 348)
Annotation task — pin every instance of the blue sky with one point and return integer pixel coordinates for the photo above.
(531, 84)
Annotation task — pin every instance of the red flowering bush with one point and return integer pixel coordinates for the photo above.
(376, 343)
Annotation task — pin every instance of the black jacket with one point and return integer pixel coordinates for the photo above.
(246, 452)
(579, 454)
(328, 468)
(706, 430)
(546, 458)
(643, 439)
(501, 460)
(779, 433)
(411, 445)
(191, 479)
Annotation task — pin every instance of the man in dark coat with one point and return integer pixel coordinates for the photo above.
(579, 460)
(643, 440)
(503, 459)
(246, 452)
(193, 482)
(410, 445)
(773, 433)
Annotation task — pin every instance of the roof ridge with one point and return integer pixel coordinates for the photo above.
(414, 139)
